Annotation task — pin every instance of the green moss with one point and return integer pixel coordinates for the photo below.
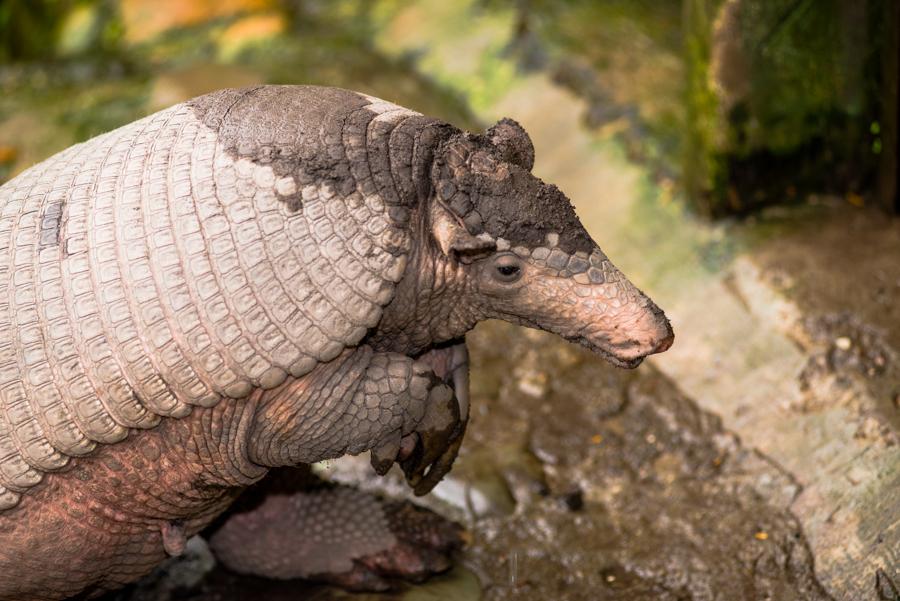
(702, 168)
(795, 52)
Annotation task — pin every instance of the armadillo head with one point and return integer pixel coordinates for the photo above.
(526, 256)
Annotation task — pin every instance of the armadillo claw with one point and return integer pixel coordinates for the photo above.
(440, 436)
(441, 467)
(395, 448)
(382, 457)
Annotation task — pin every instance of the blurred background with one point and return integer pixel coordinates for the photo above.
(736, 158)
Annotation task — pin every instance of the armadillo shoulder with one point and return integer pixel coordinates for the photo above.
(325, 236)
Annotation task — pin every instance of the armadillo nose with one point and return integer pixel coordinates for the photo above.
(664, 342)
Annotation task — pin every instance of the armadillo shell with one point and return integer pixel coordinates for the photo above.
(213, 247)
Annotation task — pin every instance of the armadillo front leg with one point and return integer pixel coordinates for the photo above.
(362, 400)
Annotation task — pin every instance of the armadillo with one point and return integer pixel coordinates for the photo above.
(257, 278)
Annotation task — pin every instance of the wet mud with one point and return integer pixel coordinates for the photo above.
(841, 268)
(637, 493)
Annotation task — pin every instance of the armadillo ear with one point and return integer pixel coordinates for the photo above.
(453, 238)
(513, 142)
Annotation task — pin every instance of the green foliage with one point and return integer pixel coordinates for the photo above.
(56, 98)
(351, 18)
(31, 30)
(103, 107)
(802, 116)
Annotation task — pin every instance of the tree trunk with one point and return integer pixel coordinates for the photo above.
(887, 189)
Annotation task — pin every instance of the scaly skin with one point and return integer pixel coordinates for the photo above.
(98, 524)
(334, 534)
(250, 280)
(157, 268)
(115, 506)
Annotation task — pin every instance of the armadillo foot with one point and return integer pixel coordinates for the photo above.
(337, 535)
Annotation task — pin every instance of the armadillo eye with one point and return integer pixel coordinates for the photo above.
(507, 269)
